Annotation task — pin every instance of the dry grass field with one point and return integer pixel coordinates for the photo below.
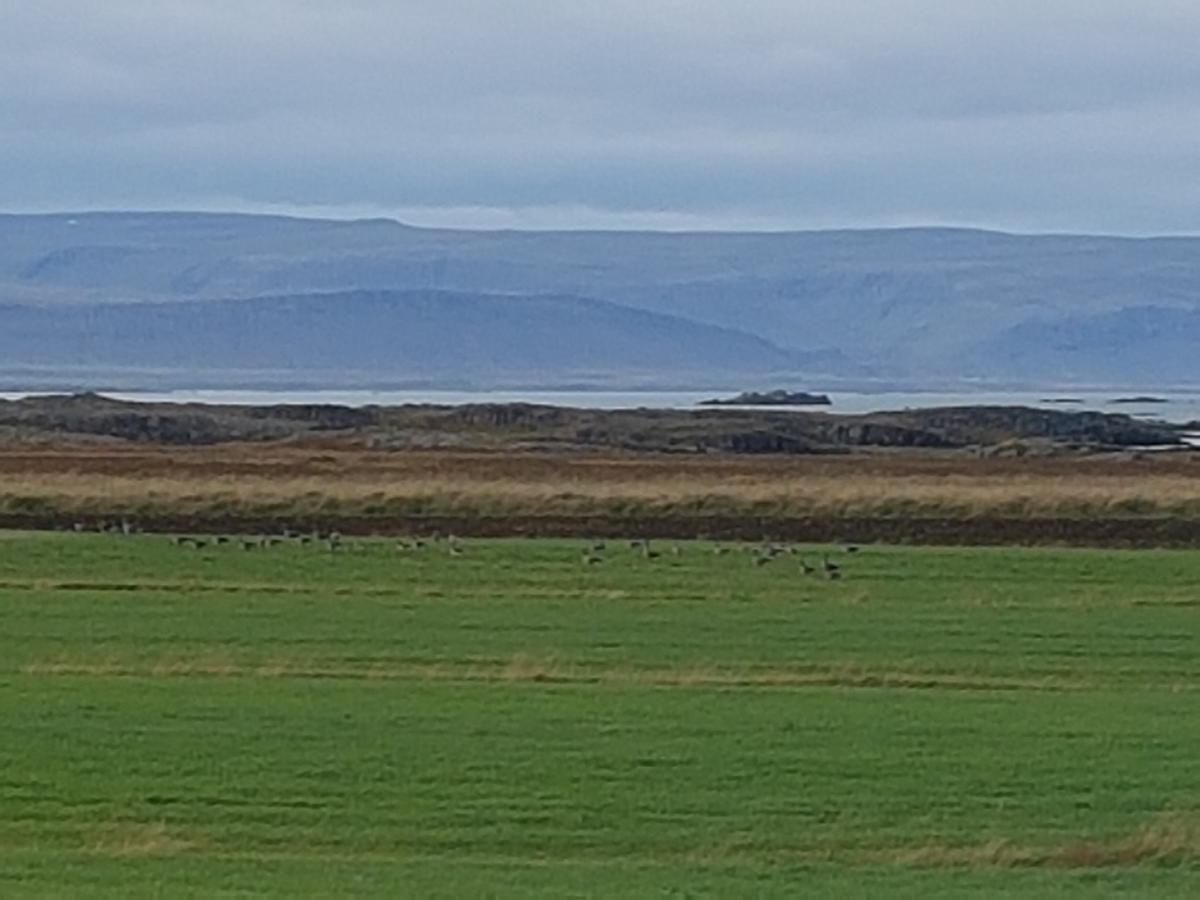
(364, 490)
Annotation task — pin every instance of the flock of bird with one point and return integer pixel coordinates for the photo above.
(593, 554)
(760, 554)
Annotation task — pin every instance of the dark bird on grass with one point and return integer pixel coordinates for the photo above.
(830, 568)
(851, 548)
(598, 547)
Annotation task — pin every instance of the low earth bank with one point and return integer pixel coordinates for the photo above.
(903, 530)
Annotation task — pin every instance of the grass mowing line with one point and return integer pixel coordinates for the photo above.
(175, 587)
(526, 670)
(119, 839)
(1172, 840)
(195, 587)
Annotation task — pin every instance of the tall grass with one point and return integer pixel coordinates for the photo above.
(687, 494)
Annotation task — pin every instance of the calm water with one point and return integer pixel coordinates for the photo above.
(1180, 407)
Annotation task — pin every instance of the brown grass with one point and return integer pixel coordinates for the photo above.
(353, 483)
(137, 839)
(1170, 840)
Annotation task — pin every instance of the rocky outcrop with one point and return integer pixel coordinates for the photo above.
(524, 425)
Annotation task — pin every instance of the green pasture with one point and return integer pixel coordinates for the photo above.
(511, 720)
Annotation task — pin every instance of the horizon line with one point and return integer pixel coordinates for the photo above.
(354, 219)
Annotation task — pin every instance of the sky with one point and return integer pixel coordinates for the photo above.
(1055, 115)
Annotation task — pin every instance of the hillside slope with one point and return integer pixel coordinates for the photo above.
(409, 335)
(907, 302)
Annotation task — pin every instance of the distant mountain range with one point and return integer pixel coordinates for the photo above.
(272, 298)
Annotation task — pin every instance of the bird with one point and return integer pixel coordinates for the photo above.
(851, 548)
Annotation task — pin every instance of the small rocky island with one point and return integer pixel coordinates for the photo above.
(770, 398)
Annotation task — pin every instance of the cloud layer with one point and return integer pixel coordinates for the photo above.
(1072, 115)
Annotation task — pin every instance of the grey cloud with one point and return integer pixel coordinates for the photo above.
(1065, 115)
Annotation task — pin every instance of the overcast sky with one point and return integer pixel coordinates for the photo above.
(1079, 115)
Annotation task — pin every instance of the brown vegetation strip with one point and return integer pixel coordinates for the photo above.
(527, 670)
(121, 839)
(1106, 500)
(1172, 840)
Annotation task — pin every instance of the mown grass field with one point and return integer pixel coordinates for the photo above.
(514, 722)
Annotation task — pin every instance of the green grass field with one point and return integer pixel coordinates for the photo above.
(513, 722)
